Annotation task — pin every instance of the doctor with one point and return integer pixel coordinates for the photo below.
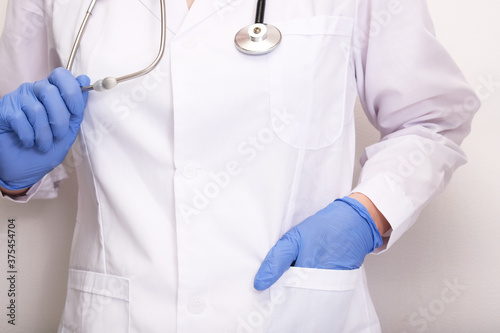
(215, 192)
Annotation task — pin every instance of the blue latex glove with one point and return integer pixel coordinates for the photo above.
(337, 237)
(38, 124)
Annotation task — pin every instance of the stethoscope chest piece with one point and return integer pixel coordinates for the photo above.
(257, 39)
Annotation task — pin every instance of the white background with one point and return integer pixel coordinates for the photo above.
(442, 276)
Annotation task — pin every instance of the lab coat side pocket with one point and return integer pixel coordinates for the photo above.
(96, 303)
(308, 80)
(308, 300)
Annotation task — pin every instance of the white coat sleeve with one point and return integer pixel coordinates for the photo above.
(416, 96)
(26, 56)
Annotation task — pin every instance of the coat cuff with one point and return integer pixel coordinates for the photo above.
(46, 188)
(393, 204)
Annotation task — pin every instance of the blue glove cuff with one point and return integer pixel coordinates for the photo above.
(13, 188)
(363, 212)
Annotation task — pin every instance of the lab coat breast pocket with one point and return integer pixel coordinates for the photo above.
(308, 80)
(96, 303)
(307, 300)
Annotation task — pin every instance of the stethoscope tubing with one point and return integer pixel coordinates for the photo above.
(161, 50)
(108, 83)
(256, 39)
(259, 13)
(79, 35)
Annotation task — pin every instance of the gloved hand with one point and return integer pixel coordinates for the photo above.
(38, 124)
(337, 237)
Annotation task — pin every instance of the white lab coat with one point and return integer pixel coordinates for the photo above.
(188, 176)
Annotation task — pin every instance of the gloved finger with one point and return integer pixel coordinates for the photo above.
(37, 117)
(55, 108)
(76, 120)
(74, 126)
(278, 260)
(69, 88)
(84, 81)
(22, 128)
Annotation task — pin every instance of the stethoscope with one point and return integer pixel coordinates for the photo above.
(256, 39)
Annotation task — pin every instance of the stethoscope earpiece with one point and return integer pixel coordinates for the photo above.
(257, 39)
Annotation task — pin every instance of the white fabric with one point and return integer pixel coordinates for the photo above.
(188, 176)
(44, 189)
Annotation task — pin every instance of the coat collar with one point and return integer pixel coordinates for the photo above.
(202, 9)
(180, 19)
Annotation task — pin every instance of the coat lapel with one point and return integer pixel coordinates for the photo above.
(180, 19)
(201, 10)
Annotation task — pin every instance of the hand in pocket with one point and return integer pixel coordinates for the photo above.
(338, 237)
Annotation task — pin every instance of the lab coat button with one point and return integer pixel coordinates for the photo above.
(190, 171)
(197, 307)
